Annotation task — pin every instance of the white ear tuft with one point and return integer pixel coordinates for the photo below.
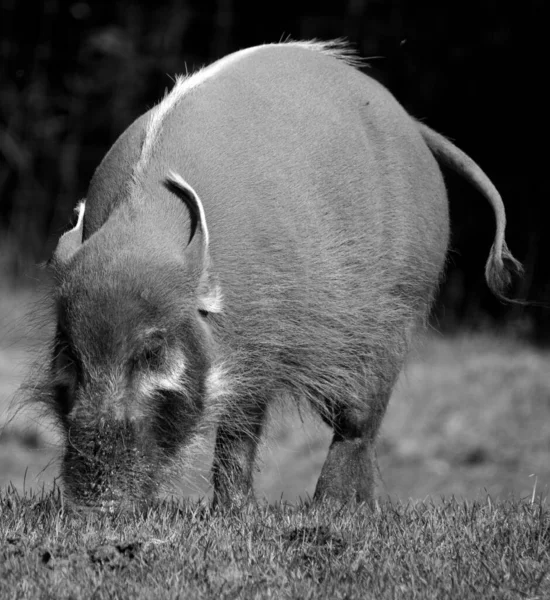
(79, 209)
(212, 300)
(71, 240)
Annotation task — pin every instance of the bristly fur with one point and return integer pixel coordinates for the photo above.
(339, 48)
(501, 267)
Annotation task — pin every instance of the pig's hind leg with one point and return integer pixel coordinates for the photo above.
(349, 471)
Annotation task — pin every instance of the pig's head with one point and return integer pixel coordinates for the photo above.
(133, 350)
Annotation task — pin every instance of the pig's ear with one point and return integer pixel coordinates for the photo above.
(70, 241)
(196, 254)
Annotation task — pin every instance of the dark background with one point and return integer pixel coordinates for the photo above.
(75, 74)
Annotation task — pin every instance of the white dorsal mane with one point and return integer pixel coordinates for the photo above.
(184, 84)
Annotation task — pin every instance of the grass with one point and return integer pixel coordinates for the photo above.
(470, 415)
(451, 549)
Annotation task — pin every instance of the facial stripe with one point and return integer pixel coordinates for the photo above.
(170, 379)
(79, 210)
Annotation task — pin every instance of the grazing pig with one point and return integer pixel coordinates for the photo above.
(276, 226)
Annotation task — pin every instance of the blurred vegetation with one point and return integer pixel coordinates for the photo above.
(74, 74)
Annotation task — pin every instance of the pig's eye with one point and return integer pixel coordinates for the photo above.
(151, 358)
(64, 398)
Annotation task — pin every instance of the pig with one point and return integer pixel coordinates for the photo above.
(277, 226)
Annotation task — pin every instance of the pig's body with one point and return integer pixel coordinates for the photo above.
(298, 241)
